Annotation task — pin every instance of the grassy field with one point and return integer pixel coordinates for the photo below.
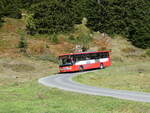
(21, 93)
(30, 97)
(23, 69)
(133, 76)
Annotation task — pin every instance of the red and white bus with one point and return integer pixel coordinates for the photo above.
(84, 61)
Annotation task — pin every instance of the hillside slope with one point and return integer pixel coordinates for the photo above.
(42, 44)
(40, 48)
(19, 74)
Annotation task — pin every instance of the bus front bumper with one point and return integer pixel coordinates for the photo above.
(67, 69)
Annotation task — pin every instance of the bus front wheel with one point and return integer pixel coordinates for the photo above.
(101, 66)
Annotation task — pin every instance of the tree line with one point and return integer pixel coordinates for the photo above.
(129, 18)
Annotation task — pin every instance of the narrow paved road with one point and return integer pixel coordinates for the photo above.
(64, 82)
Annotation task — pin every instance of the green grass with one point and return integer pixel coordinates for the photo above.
(31, 97)
(148, 52)
(19, 96)
(133, 76)
(21, 93)
(24, 95)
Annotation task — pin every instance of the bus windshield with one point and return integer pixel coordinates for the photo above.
(66, 60)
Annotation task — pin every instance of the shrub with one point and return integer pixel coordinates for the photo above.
(22, 43)
(54, 38)
(30, 24)
(1, 21)
(81, 36)
(148, 52)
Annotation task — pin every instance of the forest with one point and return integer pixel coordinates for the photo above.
(128, 18)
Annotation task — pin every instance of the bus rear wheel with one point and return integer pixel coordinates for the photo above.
(81, 68)
(101, 66)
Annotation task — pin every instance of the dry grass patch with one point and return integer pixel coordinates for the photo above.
(36, 47)
(12, 25)
(102, 41)
(19, 67)
(23, 69)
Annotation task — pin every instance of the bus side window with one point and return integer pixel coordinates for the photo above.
(87, 57)
(105, 55)
(74, 58)
(78, 57)
(93, 56)
(100, 55)
(83, 57)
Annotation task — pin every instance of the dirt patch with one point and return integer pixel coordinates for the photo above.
(19, 67)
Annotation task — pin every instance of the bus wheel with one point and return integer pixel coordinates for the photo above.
(81, 68)
(101, 66)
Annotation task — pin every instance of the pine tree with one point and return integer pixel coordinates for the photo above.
(54, 16)
(128, 18)
(1, 21)
(10, 8)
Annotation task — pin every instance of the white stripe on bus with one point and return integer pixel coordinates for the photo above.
(91, 61)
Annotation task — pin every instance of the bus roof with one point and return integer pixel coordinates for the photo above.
(83, 53)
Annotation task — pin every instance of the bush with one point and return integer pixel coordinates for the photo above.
(30, 24)
(54, 38)
(22, 43)
(81, 36)
(148, 52)
(1, 21)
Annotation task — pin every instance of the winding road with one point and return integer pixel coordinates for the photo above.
(65, 82)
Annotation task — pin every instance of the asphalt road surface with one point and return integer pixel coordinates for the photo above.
(64, 82)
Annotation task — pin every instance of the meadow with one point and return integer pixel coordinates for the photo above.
(20, 91)
(134, 76)
(23, 94)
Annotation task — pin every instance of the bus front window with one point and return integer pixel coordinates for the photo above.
(65, 61)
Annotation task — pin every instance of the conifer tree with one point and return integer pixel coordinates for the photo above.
(54, 16)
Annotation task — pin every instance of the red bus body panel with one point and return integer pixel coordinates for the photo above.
(75, 67)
